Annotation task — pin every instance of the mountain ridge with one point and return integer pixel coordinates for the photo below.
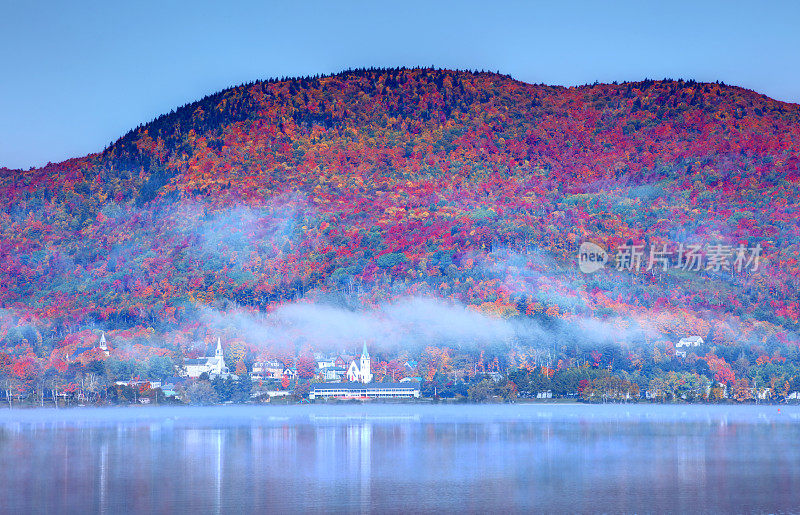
(360, 71)
(368, 185)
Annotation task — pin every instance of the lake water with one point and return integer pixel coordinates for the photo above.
(402, 458)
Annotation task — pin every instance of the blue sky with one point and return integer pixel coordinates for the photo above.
(76, 75)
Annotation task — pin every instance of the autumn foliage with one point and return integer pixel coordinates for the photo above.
(373, 184)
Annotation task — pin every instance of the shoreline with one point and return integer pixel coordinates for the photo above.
(381, 402)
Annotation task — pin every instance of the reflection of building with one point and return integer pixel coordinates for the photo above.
(360, 372)
(206, 446)
(212, 365)
(405, 390)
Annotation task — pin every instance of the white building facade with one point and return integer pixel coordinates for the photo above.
(406, 390)
(360, 372)
(212, 365)
(684, 343)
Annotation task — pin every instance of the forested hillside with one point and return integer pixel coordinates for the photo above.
(395, 198)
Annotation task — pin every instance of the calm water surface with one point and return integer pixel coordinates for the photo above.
(401, 458)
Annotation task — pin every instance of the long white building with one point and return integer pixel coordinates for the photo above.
(354, 390)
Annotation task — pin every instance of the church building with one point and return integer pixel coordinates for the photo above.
(360, 372)
(360, 385)
(212, 365)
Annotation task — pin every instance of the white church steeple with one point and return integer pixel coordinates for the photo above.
(365, 368)
(103, 345)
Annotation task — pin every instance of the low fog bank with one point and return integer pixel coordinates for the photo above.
(408, 323)
(411, 324)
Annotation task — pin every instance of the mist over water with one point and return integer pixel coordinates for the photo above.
(401, 458)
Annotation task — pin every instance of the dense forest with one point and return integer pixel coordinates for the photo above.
(301, 216)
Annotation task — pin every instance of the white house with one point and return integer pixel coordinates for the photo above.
(362, 372)
(212, 365)
(326, 363)
(272, 369)
(332, 374)
(689, 341)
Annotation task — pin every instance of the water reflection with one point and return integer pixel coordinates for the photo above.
(103, 487)
(474, 458)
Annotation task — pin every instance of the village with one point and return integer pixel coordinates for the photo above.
(323, 377)
(341, 380)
